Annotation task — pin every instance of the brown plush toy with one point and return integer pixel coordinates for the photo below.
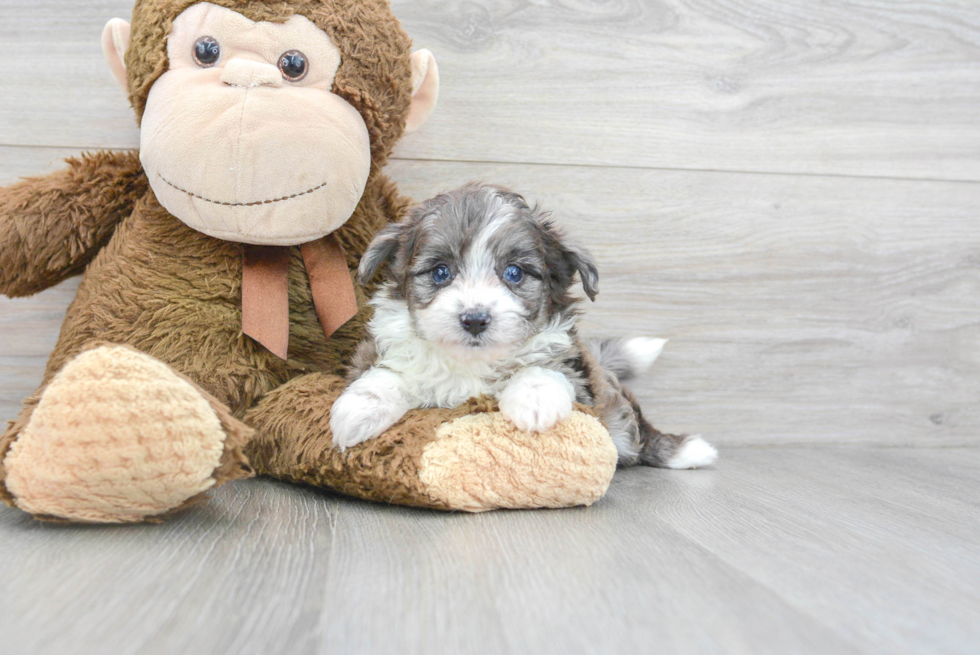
(217, 309)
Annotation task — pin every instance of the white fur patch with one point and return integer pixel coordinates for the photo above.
(693, 453)
(642, 352)
(537, 398)
(435, 376)
(479, 259)
(439, 322)
(369, 406)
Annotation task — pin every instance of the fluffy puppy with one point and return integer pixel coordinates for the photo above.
(477, 303)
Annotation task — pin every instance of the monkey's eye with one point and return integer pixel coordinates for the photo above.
(513, 274)
(293, 65)
(441, 273)
(207, 51)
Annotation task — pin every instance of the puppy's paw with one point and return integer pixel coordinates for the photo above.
(537, 398)
(371, 405)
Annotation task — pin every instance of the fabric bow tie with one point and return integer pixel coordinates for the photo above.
(265, 290)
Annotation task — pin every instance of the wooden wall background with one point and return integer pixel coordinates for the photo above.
(789, 190)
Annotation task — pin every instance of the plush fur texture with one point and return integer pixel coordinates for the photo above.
(152, 284)
(470, 466)
(125, 491)
(53, 226)
(117, 437)
(437, 458)
(238, 152)
(375, 71)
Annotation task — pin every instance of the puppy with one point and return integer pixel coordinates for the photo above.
(477, 303)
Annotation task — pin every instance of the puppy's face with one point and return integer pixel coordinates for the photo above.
(480, 271)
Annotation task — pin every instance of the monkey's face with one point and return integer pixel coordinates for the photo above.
(243, 138)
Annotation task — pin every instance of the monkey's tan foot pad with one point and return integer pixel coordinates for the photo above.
(480, 462)
(119, 437)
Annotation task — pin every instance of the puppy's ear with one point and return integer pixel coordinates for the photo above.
(565, 258)
(583, 262)
(383, 249)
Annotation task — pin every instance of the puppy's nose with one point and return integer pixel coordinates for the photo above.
(475, 322)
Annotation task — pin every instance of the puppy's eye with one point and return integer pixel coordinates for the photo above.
(513, 274)
(207, 51)
(293, 65)
(441, 273)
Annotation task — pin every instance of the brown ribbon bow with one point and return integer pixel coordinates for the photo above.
(265, 290)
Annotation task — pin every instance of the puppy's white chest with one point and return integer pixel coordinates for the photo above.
(435, 376)
(444, 382)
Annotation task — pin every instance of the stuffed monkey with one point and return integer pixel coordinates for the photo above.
(217, 308)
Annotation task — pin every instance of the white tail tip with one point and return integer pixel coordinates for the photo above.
(643, 352)
(693, 453)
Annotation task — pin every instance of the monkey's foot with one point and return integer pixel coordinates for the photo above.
(119, 437)
(480, 462)
(469, 458)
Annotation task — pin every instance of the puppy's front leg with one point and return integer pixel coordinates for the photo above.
(537, 398)
(372, 404)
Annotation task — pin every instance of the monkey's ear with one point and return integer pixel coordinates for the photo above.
(382, 249)
(115, 43)
(425, 89)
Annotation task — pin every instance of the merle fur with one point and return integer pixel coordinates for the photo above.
(442, 230)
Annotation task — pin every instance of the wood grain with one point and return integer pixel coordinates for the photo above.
(851, 536)
(801, 309)
(852, 87)
(844, 87)
(56, 88)
(809, 308)
(795, 550)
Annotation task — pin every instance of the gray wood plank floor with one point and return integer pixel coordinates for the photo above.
(785, 550)
(788, 190)
(860, 87)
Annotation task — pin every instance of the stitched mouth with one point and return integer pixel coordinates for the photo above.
(242, 204)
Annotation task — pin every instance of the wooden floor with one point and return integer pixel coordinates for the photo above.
(787, 189)
(796, 550)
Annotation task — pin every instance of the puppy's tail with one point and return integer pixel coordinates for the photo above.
(626, 358)
(672, 451)
(637, 441)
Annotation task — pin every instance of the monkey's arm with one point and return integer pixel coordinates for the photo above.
(51, 227)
